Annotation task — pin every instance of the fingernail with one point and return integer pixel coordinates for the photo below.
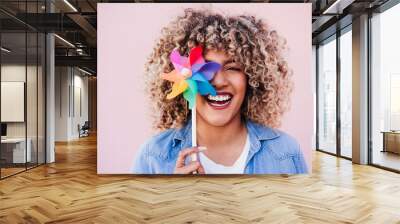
(202, 148)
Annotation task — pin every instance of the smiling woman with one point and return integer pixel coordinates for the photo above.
(236, 127)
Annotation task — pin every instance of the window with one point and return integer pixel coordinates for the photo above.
(22, 101)
(385, 89)
(346, 93)
(327, 96)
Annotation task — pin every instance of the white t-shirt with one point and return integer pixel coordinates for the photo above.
(210, 167)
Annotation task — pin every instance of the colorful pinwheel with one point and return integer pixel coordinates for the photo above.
(191, 75)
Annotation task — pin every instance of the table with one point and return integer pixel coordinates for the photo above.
(391, 141)
(15, 148)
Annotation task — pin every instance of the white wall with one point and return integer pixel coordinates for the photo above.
(71, 102)
(62, 81)
(12, 101)
(81, 103)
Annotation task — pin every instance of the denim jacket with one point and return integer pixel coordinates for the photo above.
(271, 151)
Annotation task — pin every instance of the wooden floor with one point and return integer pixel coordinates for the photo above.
(5, 172)
(388, 159)
(70, 191)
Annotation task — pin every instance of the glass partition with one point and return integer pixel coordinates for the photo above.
(32, 95)
(385, 89)
(327, 96)
(346, 93)
(22, 77)
(13, 103)
(41, 88)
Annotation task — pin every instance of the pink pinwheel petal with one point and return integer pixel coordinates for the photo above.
(196, 56)
(178, 61)
(175, 57)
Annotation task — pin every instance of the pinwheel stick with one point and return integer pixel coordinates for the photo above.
(194, 127)
(191, 76)
(194, 134)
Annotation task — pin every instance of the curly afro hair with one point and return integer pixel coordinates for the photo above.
(249, 41)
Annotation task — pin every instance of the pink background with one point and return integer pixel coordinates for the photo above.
(126, 36)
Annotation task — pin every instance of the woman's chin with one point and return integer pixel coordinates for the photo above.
(217, 120)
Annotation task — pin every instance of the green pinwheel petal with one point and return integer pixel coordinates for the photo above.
(190, 97)
(190, 93)
(192, 85)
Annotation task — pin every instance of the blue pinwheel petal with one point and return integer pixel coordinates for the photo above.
(197, 66)
(198, 77)
(208, 69)
(205, 88)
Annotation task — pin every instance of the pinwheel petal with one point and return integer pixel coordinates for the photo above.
(196, 56)
(178, 61)
(208, 69)
(190, 93)
(196, 67)
(177, 89)
(205, 88)
(192, 85)
(190, 97)
(199, 77)
(191, 75)
(173, 76)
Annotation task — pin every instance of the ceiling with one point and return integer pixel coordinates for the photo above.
(76, 22)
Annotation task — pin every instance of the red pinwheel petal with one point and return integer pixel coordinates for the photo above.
(196, 56)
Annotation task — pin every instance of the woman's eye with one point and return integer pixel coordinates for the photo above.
(234, 69)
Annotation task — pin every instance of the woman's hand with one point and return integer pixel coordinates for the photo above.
(181, 168)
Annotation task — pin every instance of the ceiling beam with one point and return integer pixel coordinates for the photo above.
(86, 26)
(83, 61)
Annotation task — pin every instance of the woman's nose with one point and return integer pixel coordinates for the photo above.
(219, 80)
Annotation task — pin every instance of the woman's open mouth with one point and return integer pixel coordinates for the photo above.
(219, 101)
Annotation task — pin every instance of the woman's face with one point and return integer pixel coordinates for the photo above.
(230, 84)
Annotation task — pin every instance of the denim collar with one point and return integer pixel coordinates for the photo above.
(256, 132)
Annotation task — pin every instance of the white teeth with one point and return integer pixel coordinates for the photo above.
(220, 105)
(219, 97)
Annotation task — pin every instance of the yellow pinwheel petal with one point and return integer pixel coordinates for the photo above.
(178, 88)
(172, 76)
